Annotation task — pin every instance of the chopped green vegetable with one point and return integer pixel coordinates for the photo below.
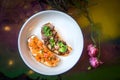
(52, 42)
(45, 28)
(47, 31)
(63, 47)
(60, 44)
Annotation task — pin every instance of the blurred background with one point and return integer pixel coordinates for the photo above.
(105, 15)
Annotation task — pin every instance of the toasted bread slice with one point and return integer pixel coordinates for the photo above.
(53, 41)
(41, 53)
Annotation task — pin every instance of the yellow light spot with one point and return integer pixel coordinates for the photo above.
(7, 28)
(30, 72)
(10, 62)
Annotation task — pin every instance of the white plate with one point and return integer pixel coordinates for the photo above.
(66, 27)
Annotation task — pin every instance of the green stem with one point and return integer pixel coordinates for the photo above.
(91, 25)
(93, 40)
(99, 46)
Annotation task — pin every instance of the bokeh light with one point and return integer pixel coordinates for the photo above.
(10, 62)
(7, 28)
(30, 72)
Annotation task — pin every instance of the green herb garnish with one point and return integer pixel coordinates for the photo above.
(63, 47)
(52, 42)
(47, 31)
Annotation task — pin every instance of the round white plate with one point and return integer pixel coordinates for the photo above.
(67, 28)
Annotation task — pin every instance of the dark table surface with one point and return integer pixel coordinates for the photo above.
(104, 14)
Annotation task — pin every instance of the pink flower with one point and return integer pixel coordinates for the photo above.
(94, 62)
(92, 50)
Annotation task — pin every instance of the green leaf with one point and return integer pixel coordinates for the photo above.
(52, 42)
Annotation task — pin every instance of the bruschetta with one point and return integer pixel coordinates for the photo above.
(41, 53)
(53, 41)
